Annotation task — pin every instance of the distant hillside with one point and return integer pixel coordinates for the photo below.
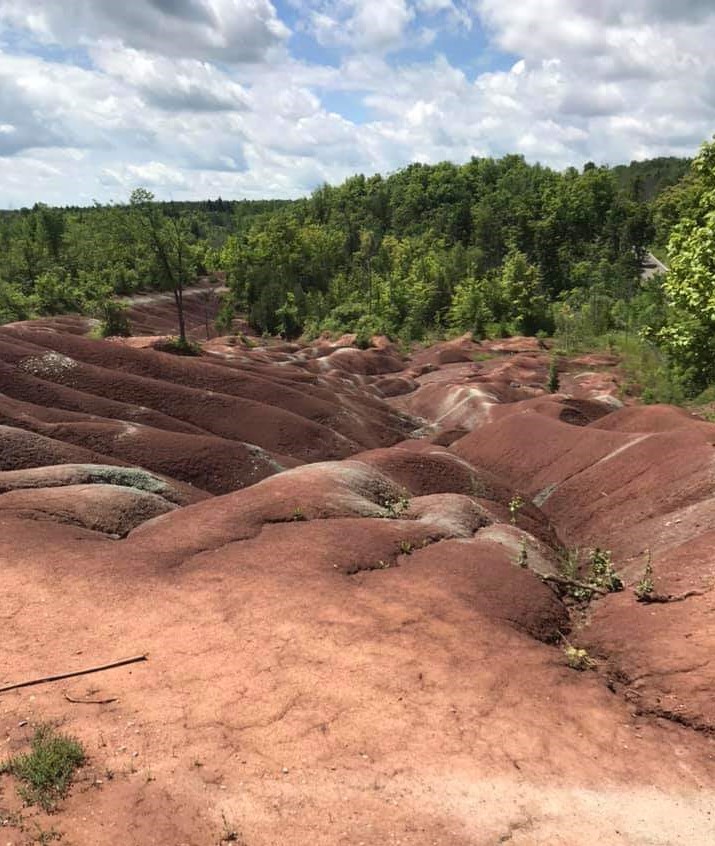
(644, 180)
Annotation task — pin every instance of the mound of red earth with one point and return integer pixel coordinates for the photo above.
(333, 559)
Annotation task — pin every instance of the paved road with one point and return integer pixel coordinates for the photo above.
(651, 266)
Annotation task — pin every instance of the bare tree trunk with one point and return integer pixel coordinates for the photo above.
(179, 300)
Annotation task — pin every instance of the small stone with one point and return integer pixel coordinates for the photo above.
(285, 770)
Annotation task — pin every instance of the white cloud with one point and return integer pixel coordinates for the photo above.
(371, 25)
(189, 116)
(150, 175)
(221, 30)
(173, 84)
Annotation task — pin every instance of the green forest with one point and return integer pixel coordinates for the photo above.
(495, 247)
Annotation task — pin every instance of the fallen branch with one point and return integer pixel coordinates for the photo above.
(98, 669)
(89, 701)
(663, 598)
(566, 582)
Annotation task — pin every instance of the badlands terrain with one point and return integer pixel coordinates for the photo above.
(332, 559)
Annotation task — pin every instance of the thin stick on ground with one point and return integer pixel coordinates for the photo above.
(90, 701)
(566, 582)
(87, 671)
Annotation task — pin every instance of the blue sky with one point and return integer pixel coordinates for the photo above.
(253, 98)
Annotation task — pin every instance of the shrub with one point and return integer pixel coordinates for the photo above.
(114, 322)
(177, 346)
(552, 384)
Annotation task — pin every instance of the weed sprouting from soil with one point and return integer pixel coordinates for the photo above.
(645, 587)
(600, 574)
(230, 833)
(396, 507)
(516, 503)
(578, 659)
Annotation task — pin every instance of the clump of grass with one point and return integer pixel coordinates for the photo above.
(406, 547)
(298, 515)
(578, 659)
(46, 836)
(46, 772)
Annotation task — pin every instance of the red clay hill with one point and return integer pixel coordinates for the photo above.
(346, 570)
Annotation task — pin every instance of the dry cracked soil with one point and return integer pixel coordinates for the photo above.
(333, 559)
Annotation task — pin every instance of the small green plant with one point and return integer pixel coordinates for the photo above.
(298, 515)
(43, 837)
(602, 573)
(522, 558)
(406, 547)
(578, 659)
(46, 772)
(645, 587)
(395, 507)
(552, 383)
(230, 834)
(516, 503)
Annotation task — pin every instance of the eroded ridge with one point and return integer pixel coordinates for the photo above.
(332, 558)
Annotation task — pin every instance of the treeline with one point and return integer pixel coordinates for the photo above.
(73, 259)
(488, 247)
(494, 247)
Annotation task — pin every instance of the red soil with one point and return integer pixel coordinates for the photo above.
(347, 651)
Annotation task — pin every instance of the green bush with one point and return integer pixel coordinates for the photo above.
(177, 346)
(114, 322)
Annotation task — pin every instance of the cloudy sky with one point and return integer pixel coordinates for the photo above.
(253, 98)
